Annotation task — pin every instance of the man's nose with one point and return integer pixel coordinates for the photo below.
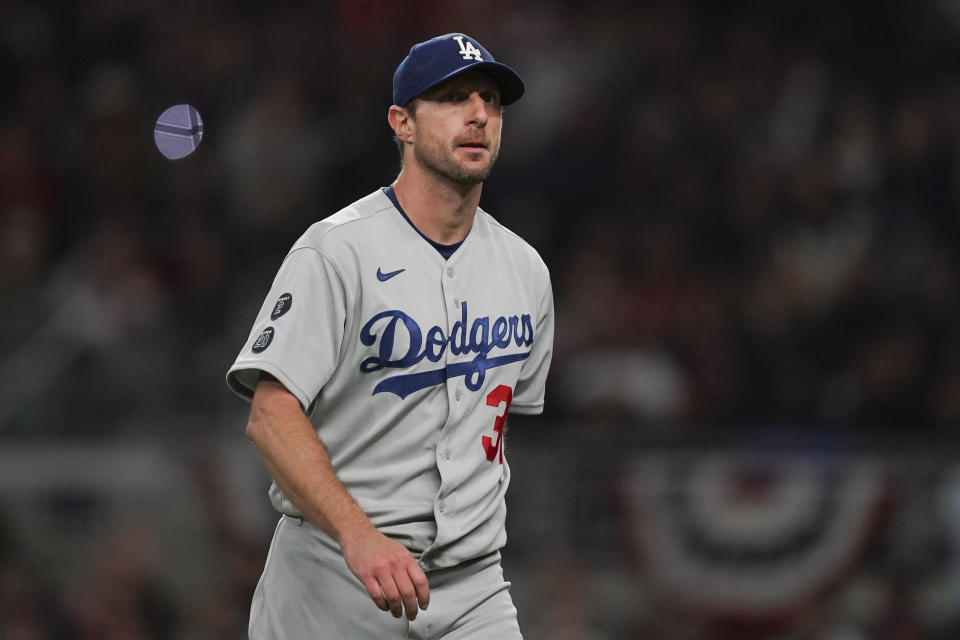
(477, 110)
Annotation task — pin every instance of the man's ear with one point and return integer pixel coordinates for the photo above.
(401, 122)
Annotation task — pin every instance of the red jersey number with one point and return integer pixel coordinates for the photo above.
(501, 395)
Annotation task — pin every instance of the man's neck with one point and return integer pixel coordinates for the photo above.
(441, 210)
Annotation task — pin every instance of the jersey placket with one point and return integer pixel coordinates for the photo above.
(446, 455)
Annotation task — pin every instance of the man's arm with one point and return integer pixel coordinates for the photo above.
(299, 464)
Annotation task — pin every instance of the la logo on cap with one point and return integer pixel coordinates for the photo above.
(467, 50)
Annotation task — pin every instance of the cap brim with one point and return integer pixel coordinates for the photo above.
(510, 83)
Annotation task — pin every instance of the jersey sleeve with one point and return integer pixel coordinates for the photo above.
(531, 385)
(299, 330)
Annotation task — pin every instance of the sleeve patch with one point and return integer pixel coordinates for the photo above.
(283, 305)
(263, 340)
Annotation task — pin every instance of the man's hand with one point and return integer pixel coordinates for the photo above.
(394, 580)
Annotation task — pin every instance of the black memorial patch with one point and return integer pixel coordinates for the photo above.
(263, 340)
(283, 305)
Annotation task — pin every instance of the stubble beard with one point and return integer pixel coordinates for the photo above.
(444, 166)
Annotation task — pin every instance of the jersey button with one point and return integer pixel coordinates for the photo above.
(456, 302)
(449, 272)
(446, 454)
(457, 395)
(442, 507)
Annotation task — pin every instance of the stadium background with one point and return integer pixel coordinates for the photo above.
(750, 211)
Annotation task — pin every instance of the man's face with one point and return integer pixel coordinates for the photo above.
(457, 133)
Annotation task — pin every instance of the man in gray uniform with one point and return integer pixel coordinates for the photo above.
(397, 335)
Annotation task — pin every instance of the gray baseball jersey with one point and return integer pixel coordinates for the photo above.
(407, 365)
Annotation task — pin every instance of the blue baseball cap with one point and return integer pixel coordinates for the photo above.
(430, 63)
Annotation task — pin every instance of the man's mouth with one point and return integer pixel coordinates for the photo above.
(473, 146)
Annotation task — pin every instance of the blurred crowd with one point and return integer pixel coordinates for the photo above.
(749, 209)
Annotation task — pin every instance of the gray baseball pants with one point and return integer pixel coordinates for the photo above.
(307, 592)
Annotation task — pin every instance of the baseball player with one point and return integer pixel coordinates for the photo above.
(397, 336)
